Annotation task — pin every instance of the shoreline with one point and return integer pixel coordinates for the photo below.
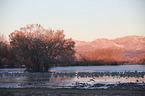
(67, 92)
(71, 65)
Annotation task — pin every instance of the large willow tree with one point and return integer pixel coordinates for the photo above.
(38, 47)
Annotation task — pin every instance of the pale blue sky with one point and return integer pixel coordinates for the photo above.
(80, 19)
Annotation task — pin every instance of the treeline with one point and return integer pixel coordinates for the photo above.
(104, 56)
(108, 56)
(140, 59)
(7, 54)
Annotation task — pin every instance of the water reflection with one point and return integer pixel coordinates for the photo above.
(116, 68)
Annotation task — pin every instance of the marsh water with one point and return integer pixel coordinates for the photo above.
(89, 77)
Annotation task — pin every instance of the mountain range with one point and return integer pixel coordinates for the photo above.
(133, 45)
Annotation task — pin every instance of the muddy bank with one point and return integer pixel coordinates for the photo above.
(67, 92)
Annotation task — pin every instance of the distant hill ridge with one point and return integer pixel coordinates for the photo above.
(133, 45)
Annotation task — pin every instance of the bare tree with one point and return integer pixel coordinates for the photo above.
(38, 47)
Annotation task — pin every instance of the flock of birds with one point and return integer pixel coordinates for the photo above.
(72, 74)
(48, 75)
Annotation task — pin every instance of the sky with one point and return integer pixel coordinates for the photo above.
(84, 20)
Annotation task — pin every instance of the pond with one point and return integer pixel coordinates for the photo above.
(88, 77)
